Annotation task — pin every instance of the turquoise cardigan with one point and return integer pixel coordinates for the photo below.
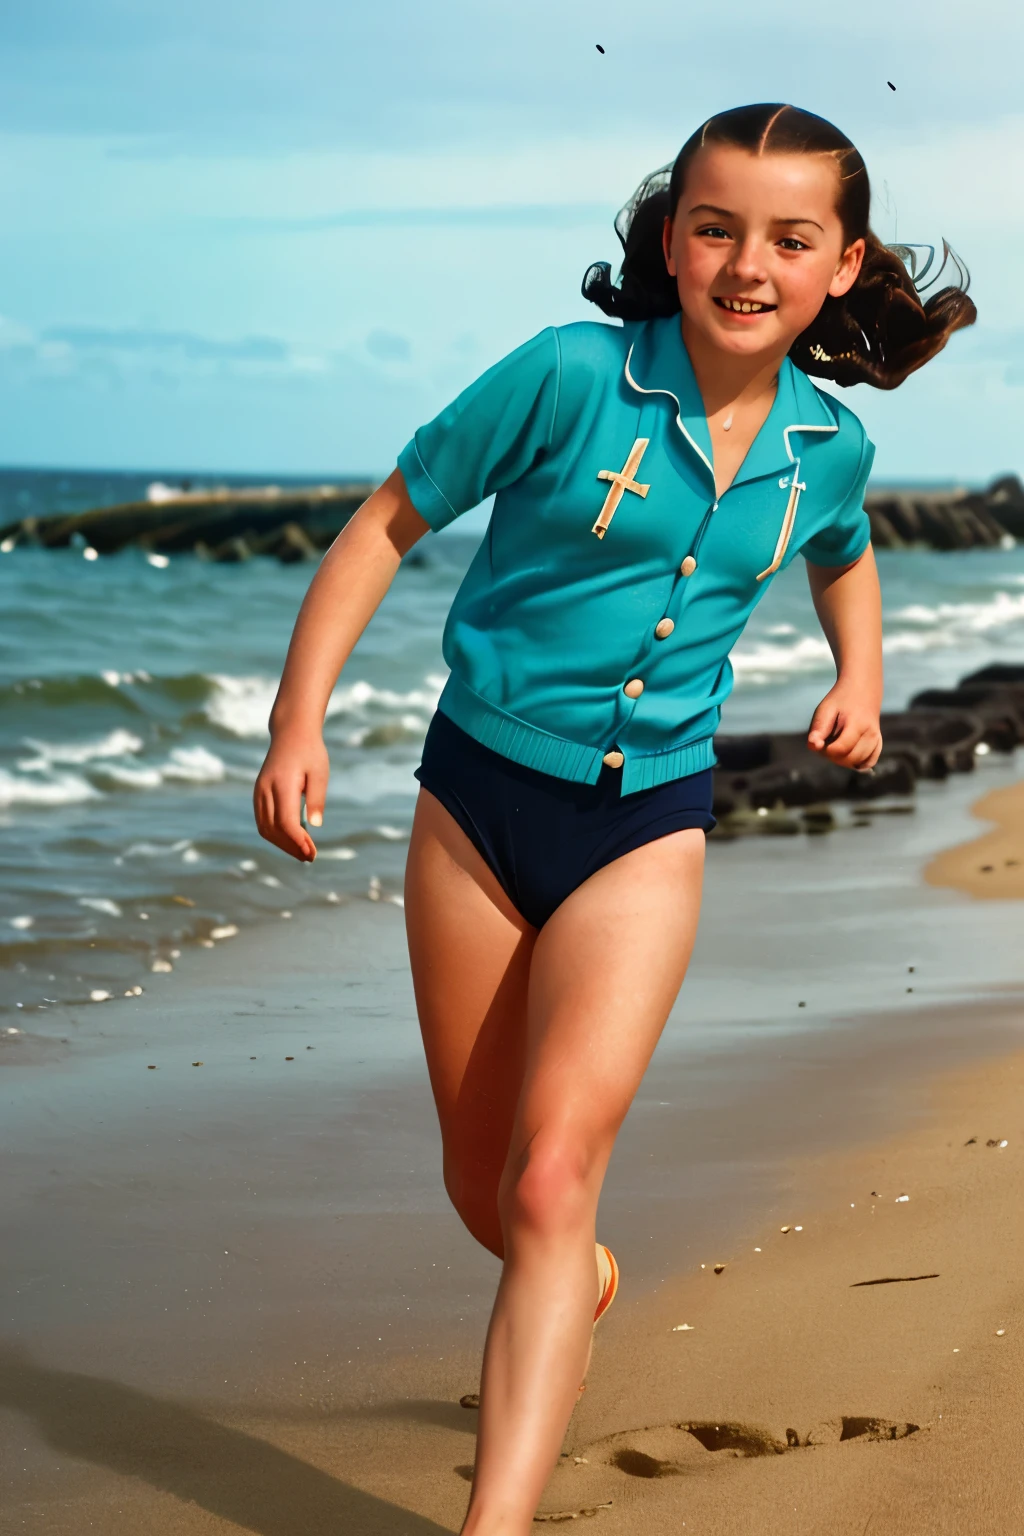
(596, 619)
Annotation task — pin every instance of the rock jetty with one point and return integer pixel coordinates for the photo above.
(296, 524)
(956, 519)
(226, 524)
(771, 782)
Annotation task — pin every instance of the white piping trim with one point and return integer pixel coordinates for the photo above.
(794, 498)
(679, 420)
(797, 428)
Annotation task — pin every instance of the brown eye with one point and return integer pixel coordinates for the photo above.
(715, 231)
(791, 243)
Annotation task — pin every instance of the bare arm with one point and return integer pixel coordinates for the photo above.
(343, 596)
(848, 602)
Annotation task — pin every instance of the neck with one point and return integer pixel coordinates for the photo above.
(725, 380)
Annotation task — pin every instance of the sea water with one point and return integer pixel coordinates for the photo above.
(134, 697)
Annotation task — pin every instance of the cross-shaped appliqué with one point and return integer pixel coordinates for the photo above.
(622, 480)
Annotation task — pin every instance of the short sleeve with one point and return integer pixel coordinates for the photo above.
(489, 437)
(848, 533)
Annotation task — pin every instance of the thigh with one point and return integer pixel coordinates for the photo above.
(606, 970)
(470, 953)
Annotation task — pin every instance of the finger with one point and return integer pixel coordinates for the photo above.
(867, 760)
(289, 831)
(843, 743)
(853, 753)
(824, 722)
(263, 808)
(316, 795)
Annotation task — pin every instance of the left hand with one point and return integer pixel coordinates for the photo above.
(845, 729)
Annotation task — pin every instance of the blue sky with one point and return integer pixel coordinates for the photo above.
(273, 238)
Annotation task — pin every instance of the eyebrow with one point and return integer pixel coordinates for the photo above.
(726, 213)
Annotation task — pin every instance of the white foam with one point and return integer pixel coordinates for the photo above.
(765, 662)
(1003, 610)
(241, 705)
(119, 743)
(336, 853)
(194, 765)
(101, 904)
(63, 789)
(156, 850)
(23, 923)
(129, 778)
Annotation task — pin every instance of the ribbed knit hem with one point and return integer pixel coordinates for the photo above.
(660, 767)
(493, 727)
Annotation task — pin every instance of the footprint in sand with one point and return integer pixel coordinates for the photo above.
(588, 1482)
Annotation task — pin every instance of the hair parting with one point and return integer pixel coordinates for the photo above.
(878, 333)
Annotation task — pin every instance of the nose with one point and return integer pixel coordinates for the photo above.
(748, 263)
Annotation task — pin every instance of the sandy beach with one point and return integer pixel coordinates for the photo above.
(234, 1297)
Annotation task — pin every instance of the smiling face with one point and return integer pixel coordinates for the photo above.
(755, 247)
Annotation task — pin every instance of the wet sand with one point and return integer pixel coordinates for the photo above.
(232, 1296)
(990, 867)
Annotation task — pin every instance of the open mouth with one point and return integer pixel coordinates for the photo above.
(745, 306)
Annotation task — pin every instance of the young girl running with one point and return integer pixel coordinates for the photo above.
(650, 479)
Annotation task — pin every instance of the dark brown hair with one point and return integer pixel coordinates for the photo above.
(878, 333)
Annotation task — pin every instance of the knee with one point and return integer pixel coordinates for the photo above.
(551, 1187)
(471, 1183)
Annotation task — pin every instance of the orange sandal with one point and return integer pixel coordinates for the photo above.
(605, 1258)
(610, 1270)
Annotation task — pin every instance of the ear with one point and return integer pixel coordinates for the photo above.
(666, 246)
(848, 270)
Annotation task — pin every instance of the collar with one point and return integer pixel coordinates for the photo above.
(659, 364)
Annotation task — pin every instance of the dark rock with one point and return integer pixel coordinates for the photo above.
(739, 754)
(1000, 673)
(1004, 500)
(1000, 713)
(941, 740)
(947, 520)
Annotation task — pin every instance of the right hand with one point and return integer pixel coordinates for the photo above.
(296, 765)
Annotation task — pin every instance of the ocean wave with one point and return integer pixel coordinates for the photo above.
(194, 765)
(1003, 610)
(241, 705)
(765, 662)
(123, 776)
(117, 743)
(61, 789)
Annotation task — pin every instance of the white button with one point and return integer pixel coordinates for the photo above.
(634, 688)
(664, 628)
(688, 566)
(613, 759)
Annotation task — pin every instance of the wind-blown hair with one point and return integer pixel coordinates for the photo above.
(878, 333)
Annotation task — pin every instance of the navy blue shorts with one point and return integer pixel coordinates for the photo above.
(543, 836)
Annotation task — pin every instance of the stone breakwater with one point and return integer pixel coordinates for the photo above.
(297, 524)
(230, 524)
(951, 519)
(772, 783)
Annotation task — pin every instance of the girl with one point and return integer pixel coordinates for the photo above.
(650, 479)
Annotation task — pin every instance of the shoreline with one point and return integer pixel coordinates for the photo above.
(230, 1296)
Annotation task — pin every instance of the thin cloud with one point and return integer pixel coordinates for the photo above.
(485, 216)
(186, 344)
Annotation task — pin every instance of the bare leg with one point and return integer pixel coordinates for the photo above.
(605, 972)
(535, 1046)
(470, 952)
